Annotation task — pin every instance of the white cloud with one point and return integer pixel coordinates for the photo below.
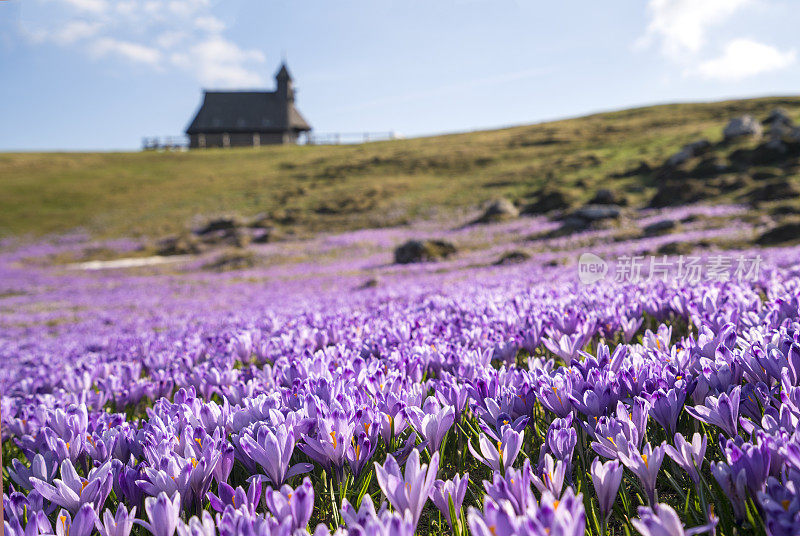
(95, 6)
(682, 31)
(680, 26)
(183, 34)
(75, 30)
(107, 46)
(209, 24)
(742, 58)
(223, 64)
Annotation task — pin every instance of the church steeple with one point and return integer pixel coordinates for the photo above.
(284, 83)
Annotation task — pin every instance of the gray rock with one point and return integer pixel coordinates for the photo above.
(688, 151)
(547, 200)
(778, 116)
(513, 257)
(235, 237)
(423, 251)
(605, 196)
(679, 158)
(591, 213)
(183, 244)
(498, 210)
(221, 224)
(746, 125)
(659, 227)
(783, 233)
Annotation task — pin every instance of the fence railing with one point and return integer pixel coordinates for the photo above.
(339, 138)
(180, 143)
(165, 143)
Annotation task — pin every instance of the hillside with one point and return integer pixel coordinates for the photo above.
(308, 189)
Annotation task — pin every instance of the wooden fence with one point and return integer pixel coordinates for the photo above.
(165, 143)
(339, 138)
(181, 143)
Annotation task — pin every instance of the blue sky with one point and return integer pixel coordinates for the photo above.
(101, 74)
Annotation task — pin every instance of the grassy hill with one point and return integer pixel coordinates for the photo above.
(309, 189)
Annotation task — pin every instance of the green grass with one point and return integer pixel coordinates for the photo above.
(310, 189)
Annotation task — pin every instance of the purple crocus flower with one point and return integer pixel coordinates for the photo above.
(554, 394)
(606, 478)
(752, 460)
(272, 450)
(203, 526)
(329, 447)
(734, 485)
(666, 407)
(566, 347)
(502, 456)
(645, 465)
(43, 467)
(163, 514)
(17, 507)
(561, 440)
(721, 411)
(117, 525)
(409, 492)
(366, 521)
(225, 464)
(81, 525)
(71, 491)
(552, 475)
(662, 520)
(295, 504)
(497, 519)
(432, 422)
(237, 498)
(513, 487)
(450, 490)
(689, 455)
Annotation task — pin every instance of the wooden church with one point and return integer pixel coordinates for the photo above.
(248, 118)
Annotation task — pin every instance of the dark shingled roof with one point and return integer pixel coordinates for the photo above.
(245, 111)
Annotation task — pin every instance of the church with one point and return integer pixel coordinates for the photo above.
(248, 118)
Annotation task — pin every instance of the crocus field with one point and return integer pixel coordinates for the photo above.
(453, 397)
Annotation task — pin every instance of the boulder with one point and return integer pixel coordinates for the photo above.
(234, 237)
(547, 200)
(689, 151)
(183, 244)
(780, 234)
(679, 248)
(642, 169)
(605, 196)
(513, 257)
(592, 213)
(369, 283)
(675, 193)
(263, 235)
(778, 116)
(221, 224)
(423, 251)
(709, 166)
(498, 210)
(775, 190)
(659, 227)
(678, 158)
(765, 174)
(742, 126)
(233, 260)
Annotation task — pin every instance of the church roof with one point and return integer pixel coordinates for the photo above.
(245, 111)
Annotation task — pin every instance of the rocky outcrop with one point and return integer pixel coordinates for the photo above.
(745, 125)
(423, 251)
